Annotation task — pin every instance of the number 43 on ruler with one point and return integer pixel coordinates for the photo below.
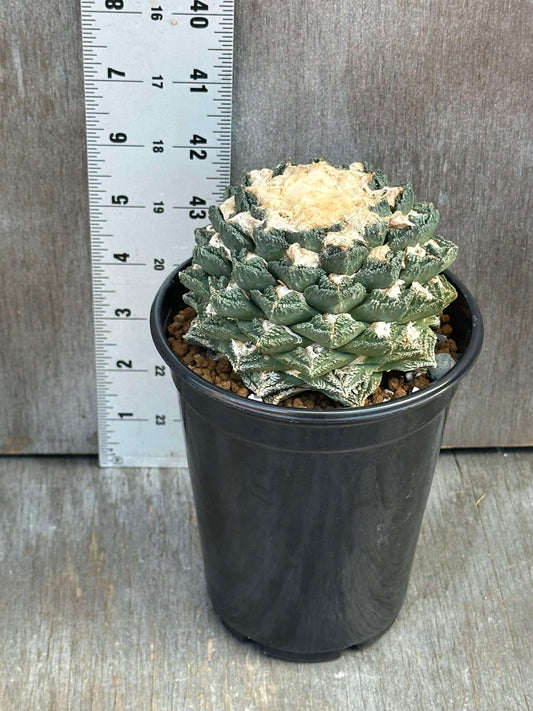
(158, 80)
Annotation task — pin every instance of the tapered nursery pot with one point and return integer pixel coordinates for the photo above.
(309, 519)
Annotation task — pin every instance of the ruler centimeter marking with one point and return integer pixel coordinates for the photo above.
(158, 83)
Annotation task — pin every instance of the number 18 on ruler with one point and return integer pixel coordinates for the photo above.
(158, 79)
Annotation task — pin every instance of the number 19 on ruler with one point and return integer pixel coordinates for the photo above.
(158, 80)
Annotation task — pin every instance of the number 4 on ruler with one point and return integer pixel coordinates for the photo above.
(151, 179)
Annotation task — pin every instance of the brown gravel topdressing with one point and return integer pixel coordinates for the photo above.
(219, 372)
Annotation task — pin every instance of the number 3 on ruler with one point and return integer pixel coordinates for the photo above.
(139, 138)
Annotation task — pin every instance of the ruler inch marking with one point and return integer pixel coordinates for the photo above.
(155, 185)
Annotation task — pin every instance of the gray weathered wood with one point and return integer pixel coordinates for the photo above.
(47, 373)
(103, 603)
(429, 92)
(436, 92)
(500, 487)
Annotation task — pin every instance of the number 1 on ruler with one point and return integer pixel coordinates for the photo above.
(158, 108)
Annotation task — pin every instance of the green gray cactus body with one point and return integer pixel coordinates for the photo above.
(316, 277)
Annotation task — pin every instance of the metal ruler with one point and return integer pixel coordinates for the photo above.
(158, 80)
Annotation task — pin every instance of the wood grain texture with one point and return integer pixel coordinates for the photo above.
(432, 91)
(429, 92)
(47, 373)
(103, 603)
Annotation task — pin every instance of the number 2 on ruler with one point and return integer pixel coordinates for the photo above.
(158, 109)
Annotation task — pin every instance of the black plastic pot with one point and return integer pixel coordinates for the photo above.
(309, 519)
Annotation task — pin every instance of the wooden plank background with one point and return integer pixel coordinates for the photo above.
(432, 91)
(105, 607)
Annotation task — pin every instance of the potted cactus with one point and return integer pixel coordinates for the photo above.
(314, 278)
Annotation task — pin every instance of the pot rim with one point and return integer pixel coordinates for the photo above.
(363, 413)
